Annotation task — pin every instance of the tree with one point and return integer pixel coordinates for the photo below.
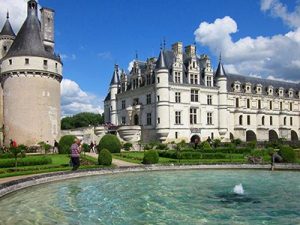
(83, 119)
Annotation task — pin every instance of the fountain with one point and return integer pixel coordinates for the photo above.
(238, 189)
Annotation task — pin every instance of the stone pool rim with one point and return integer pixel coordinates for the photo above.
(15, 185)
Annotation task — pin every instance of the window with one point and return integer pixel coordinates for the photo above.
(56, 65)
(157, 98)
(271, 120)
(237, 102)
(241, 120)
(177, 77)
(177, 97)
(45, 62)
(194, 64)
(263, 120)
(194, 95)
(177, 117)
(291, 106)
(148, 79)
(280, 106)
(158, 120)
(271, 105)
(248, 120)
(209, 118)
(149, 122)
(259, 104)
(291, 121)
(194, 78)
(193, 116)
(209, 100)
(248, 103)
(158, 80)
(148, 99)
(5, 48)
(176, 135)
(208, 81)
(284, 121)
(212, 136)
(123, 104)
(10, 62)
(26, 61)
(123, 120)
(136, 101)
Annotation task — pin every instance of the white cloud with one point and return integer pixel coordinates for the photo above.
(277, 55)
(130, 65)
(74, 100)
(68, 57)
(277, 9)
(105, 55)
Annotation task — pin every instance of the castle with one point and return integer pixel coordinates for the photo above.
(179, 96)
(30, 80)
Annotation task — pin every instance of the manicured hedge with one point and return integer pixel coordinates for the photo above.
(64, 145)
(6, 156)
(111, 143)
(192, 155)
(151, 157)
(105, 157)
(288, 154)
(28, 161)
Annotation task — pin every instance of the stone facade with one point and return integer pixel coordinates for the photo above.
(30, 80)
(178, 96)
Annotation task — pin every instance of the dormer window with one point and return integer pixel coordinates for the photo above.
(237, 86)
(258, 89)
(291, 93)
(45, 62)
(280, 92)
(5, 48)
(248, 88)
(270, 90)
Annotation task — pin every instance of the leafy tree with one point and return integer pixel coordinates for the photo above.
(83, 119)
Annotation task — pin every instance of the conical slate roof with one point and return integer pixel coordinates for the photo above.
(7, 29)
(28, 41)
(220, 71)
(115, 76)
(161, 62)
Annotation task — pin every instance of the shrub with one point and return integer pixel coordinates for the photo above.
(127, 146)
(162, 146)
(105, 157)
(110, 142)
(65, 143)
(6, 155)
(151, 157)
(147, 147)
(216, 143)
(29, 161)
(237, 141)
(251, 144)
(288, 154)
(85, 147)
(205, 145)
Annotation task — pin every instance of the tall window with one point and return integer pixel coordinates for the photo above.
(123, 120)
(194, 95)
(284, 121)
(291, 121)
(259, 104)
(177, 77)
(45, 62)
(209, 100)
(193, 116)
(148, 78)
(148, 99)
(149, 122)
(280, 106)
(157, 80)
(291, 106)
(248, 120)
(157, 98)
(271, 120)
(194, 78)
(248, 103)
(271, 105)
(123, 104)
(177, 97)
(208, 81)
(237, 102)
(241, 120)
(209, 118)
(263, 120)
(177, 117)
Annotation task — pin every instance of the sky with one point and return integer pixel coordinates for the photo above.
(259, 38)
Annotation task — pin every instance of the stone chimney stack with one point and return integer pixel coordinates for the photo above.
(190, 50)
(47, 28)
(177, 48)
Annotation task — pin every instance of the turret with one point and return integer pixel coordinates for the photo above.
(114, 87)
(221, 82)
(7, 36)
(162, 97)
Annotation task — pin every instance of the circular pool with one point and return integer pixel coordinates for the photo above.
(171, 197)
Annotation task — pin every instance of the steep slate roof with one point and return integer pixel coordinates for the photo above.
(220, 71)
(115, 78)
(160, 63)
(231, 78)
(7, 29)
(28, 41)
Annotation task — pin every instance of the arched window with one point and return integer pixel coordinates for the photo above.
(241, 120)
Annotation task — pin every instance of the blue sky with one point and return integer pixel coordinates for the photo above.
(92, 36)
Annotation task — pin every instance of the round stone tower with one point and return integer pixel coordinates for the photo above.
(30, 76)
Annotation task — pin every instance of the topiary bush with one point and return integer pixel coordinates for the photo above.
(65, 143)
(104, 157)
(288, 154)
(151, 157)
(205, 145)
(111, 143)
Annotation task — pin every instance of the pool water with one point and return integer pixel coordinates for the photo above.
(177, 197)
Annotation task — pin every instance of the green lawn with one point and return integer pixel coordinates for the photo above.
(59, 163)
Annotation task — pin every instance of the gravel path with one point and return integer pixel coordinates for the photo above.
(117, 162)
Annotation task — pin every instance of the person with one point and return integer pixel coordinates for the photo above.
(75, 154)
(92, 147)
(209, 140)
(55, 147)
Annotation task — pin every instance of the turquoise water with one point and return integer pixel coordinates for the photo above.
(179, 197)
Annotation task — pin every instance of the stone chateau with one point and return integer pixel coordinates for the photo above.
(180, 96)
(30, 80)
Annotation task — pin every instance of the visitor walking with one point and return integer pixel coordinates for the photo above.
(55, 147)
(92, 147)
(75, 154)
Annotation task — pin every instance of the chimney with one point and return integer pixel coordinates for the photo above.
(47, 28)
(190, 50)
(177, 48)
